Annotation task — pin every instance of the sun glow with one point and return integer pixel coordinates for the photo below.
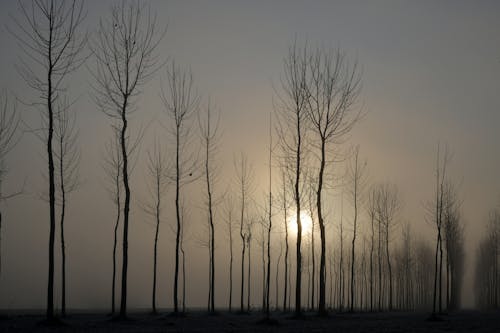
(305, 220)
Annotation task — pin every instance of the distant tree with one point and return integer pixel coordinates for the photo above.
(50, 38)
(487, 271)
(292, 123)
(388, 205)
(67, 158)
(454, 244)
(341, 259)
(270, 218)
(209, 129)
(285, 204)
(229, 221)
(113, 168)
(332, 91)
(438, 214)
(157, 169)
(181, 104)
(9, 137)
(372, 213)
(244, 179)
(248, 239)
(356, 174)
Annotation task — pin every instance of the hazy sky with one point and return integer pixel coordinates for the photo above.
(430, 73)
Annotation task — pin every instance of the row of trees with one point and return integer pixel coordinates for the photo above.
(487, 275)
(317, 108)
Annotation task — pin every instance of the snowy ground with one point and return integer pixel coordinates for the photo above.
(466, 321)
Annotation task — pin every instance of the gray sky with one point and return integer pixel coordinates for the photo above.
(430, 73)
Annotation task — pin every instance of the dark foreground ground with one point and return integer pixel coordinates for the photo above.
(465, 321)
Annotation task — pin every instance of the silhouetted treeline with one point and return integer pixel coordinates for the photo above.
(487, 275)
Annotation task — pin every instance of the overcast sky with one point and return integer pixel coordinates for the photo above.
(430, 74)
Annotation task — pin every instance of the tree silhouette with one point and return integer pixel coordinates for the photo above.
(124, 50)
(67, 158)
(157, 168)
(113, 167)
(332, 91)
(244, 179)
(51, 41)
(181, 104)
(292, 122)
(209, 129)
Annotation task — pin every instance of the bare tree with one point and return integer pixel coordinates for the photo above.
(292, 122)
(441, 168)
(228, 209)
(487, 275)
(112, 167)
(332, 91)
(270, 219)
(229, 220)
(51, 40)
(157, 169)
(124, 50)
(356, 174)
(9, 123)
(248, 239)
(372, 211)
(388, 205)
(454, 238)
(285, 203)
(67, 158)
(181, 104)
(209, 129)
(244, 179)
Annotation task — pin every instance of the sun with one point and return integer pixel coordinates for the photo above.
(305, 220)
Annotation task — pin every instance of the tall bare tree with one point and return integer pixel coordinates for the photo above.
(441, 169)
(49, 35)
(157, 169)
(229, 220)
(244, 180)
(67, 158)
(388, 206)
(332, 91)
(124, 50)
(372, 213)
(209, 129)
(270, 218)
(113, 168)
(181, 104)
(292, 123)
(9, 136)
(356, 173)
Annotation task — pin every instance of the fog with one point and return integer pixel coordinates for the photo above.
(429, 75)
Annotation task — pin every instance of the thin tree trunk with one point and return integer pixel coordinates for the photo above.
(249, 273)
(388, 265)
(178, 217)
(52, 195)
(230, 267)
(126, 209)
(63, 211)
(322, 264)
(371, 265)
(115, 238)
(157, 211)
(285, 290)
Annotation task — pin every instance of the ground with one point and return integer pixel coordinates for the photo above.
(464, 321)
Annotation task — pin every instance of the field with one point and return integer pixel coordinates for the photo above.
(465, 321)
